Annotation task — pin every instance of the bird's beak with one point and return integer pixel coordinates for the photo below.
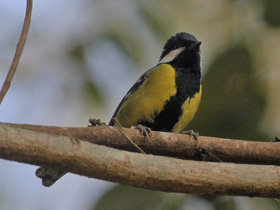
(194, 46)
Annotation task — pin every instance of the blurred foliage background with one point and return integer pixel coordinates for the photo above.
(82, 56)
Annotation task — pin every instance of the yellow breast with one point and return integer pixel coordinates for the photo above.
(189, 109)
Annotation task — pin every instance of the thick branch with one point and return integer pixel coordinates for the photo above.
(174, 145)
(20, 45)
(148, 171)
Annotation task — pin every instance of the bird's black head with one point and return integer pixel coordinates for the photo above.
(178, 46)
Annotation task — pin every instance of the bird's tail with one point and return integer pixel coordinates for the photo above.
(49, 175)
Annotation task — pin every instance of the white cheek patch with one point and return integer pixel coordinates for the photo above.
(171, 55)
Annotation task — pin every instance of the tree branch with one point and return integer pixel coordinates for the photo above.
(169, 144)
(20, 45)
(52, 147)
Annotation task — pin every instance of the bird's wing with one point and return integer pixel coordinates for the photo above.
(135, 87)
(147, 97)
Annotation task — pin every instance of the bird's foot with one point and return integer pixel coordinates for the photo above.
(192, 133)
(95, 122)
(143, 129)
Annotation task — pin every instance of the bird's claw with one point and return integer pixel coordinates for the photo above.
(143, 129)
(192, 133)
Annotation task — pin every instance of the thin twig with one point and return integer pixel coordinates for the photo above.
(118, 125)
(19, 49)
(219, 160)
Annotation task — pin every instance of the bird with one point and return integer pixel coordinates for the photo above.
(164, 98)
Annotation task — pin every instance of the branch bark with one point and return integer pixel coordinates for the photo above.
(169, 144)
(20, 45)
(52, 147)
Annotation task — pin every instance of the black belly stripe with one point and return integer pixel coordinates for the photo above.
(187, 86)
(167, 118)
